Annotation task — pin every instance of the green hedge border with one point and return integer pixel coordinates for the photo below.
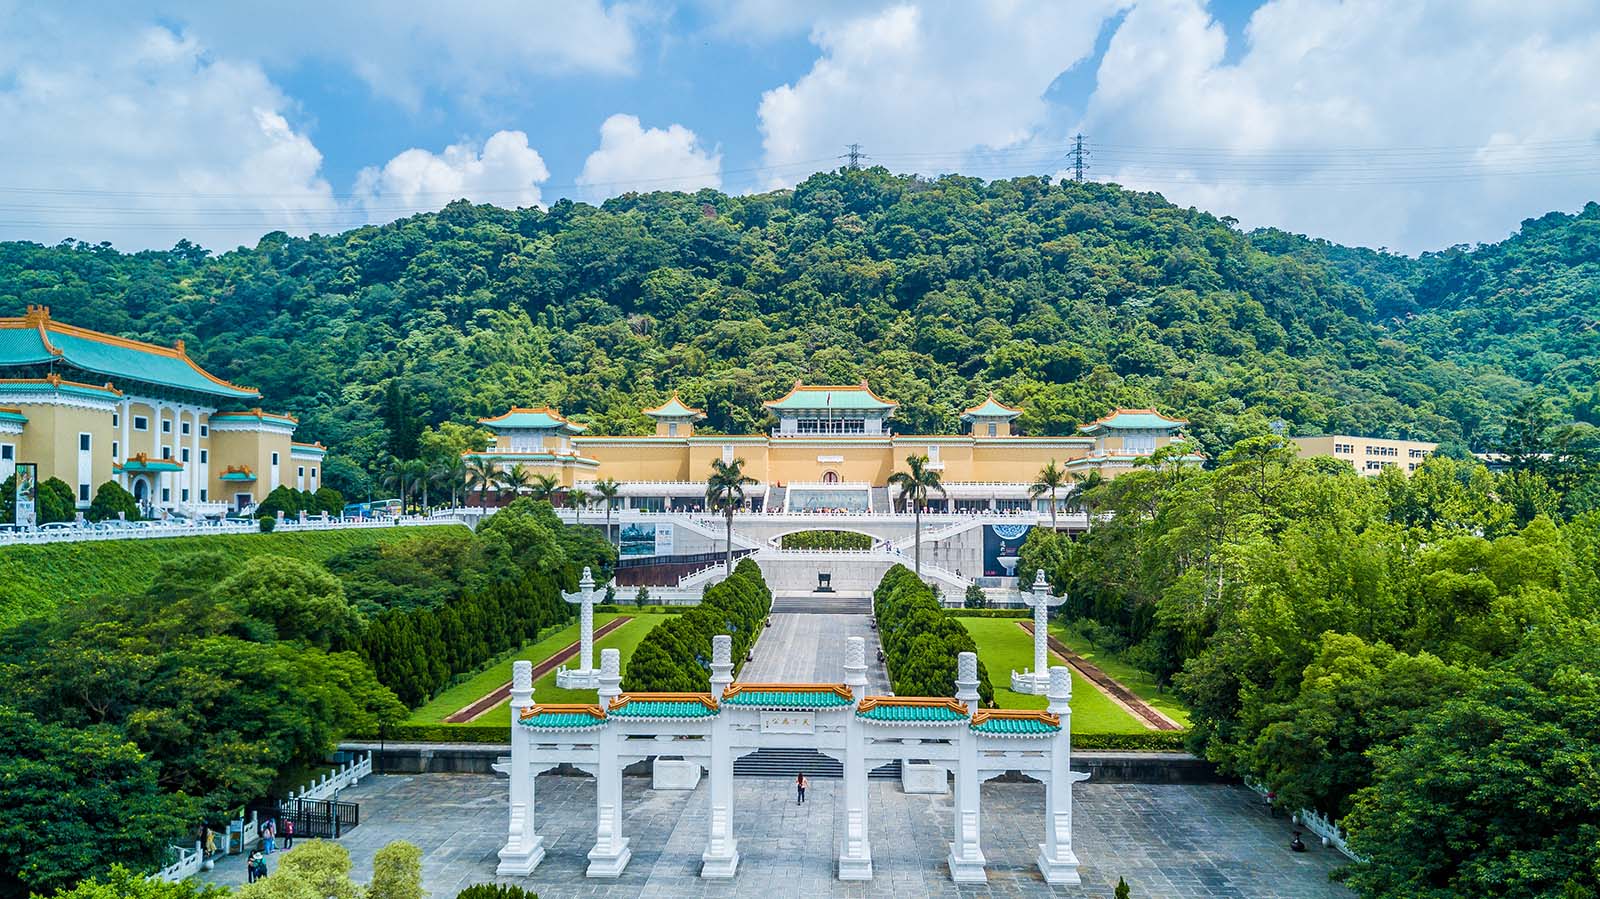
(1155, 741)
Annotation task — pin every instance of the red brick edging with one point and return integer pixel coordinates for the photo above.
(499, 694)
(1153, 718)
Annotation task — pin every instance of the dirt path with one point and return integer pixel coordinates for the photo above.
(1150, 715)
(499, 694)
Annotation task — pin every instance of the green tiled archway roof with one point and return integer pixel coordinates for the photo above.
(912, 710)
(562, 717)
(788, 696)
(663, 705)
(1015, 723)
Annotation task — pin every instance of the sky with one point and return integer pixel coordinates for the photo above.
(1408, 124)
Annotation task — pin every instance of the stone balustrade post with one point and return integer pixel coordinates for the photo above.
(524, 847)
(1057, 862)
(611, 852)
(966, 858)
(855, 853)
(721, 858)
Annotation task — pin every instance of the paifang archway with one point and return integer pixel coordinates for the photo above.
(712, 729)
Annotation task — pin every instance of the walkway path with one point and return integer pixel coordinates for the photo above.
(503, 692)
(1177, 842)
(809, 648)
(1152, 717)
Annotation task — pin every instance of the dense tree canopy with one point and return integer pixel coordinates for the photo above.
(1065, 298)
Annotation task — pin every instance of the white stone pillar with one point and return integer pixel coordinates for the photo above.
(1041, 630)
(610, 853)
(524, 848)
(584, 677)
(966, 856)
(194, 466)
(1056, 861)
(721, 858)
(855, 854)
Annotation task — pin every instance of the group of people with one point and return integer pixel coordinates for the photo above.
(256, 864)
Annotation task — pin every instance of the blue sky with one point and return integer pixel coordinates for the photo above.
(1413, 125)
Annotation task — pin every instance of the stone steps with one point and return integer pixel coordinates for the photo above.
(786, 763)
(822, 604)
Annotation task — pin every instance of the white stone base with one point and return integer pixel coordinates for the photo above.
(1031, 683)
(967, 870)
(855, 868)
(920, 777)
(521, 859)
(578, 678)
(1062, 869)
(674, 774)
(719, 867)
(608, 863)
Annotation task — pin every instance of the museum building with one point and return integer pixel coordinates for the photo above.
(830, 448)
(87, 408)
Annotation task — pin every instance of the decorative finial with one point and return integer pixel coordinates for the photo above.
(522, 675)
(855, 653)
(586, 584)
(967, 667)
(1039, 583)
(722, 650)
(610, 663)
(179, 346)
(1060, 682)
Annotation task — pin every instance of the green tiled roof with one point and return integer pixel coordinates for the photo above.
(531, 419)
(1015, 727)
(29, 340)
(990, 408)
(788, 699)
(890, 713)
(236, 476)
(563, 721)
(1122, 419)
(149, 465)
(673, 408)
(307, 449)
(13, 415)
(254, 415)
(662, 708)
(858, 398)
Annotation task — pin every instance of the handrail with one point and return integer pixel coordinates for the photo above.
(84, 534)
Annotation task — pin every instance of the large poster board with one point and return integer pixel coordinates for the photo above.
(639, 539)
(27, 494)
(1002, 541)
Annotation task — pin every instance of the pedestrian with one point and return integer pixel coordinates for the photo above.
(288, 834)
(250, 866)
(267, 835)
(210, 843)
(1297, 844)
(800, 788)
(261, 867)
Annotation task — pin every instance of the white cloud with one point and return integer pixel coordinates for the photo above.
(506, 172)
(1414, 126)
(632, 157)
(404, 49)
(927, 87)
(142, 138)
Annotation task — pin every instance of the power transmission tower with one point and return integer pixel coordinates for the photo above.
(1080, 158)
(854, 157)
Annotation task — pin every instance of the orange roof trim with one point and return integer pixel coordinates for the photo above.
(1017, 715)
(818, 388)
(39, 317)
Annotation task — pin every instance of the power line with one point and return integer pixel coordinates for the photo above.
(1078, 155)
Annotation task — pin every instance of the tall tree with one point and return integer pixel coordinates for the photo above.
(725, 493)
(544, 486)
(577, 500)
(609, 492)
(482, 475)
(915, 485)
(1050, 480)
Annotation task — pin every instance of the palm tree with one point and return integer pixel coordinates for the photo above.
(544, 486)
(517, 478)
(576, 501)
(915, 484)
(609, 492)
(449, 472)
(1079, 499)
(482, 475)
(725, 492)
(397, 477)
(1051, 478)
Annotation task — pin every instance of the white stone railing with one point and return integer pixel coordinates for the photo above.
(189, 862)
(346, 775)
(157, 530)
(1328, 830)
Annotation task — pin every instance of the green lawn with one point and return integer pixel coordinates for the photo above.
(624, 638)
(1137, 680)
(1004, 646)
(35, 578)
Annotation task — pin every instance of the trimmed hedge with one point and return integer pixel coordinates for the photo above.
(990, 613)
(826, 540)
(921, 639)
(1154, 741)
(676, 655)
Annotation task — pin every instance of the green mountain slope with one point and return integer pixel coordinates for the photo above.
(1066, 298)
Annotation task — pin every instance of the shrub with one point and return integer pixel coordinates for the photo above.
(56, 502)
(676, 655)
(110, 501)
(267, 523)
(975, 598)
(826, 540)
(989, 613)
(1152, 741)
(396, 872)
(920, 640)
(495, 891)
(329, 500)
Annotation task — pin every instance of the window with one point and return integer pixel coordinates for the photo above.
(166, 452)
(115, 419)
(8, 452)
(184, 455)
(166, 426)
(83, 443)
(140, 423)
(313, 474)
(727, 454)
(114, 453)
(300, 472)
(205, 431)
(994, 429)
(1139, 443)
(166, 494)
(274, 458)
(202, 494)
(83, 493)
(205, 456)
(672, 429)
(185, 429)
(184, 494)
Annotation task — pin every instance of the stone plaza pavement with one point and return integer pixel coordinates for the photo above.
(1167, 840)
(799, 649)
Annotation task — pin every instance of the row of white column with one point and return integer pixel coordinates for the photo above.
(524, 848)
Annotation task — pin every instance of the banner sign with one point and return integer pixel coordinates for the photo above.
(27, 494)
(1001, 545)
(788, 722)
(639, 539)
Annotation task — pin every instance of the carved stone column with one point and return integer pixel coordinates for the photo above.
(610, 853)
(721, 858)
(524, 848)
(855, 853)
(1056, 861)
(966, 856)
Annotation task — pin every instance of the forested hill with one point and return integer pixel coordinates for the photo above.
(1064, 298)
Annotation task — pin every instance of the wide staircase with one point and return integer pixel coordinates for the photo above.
(822, 604)
(880, 500)
(786, 763)
(775, 498)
